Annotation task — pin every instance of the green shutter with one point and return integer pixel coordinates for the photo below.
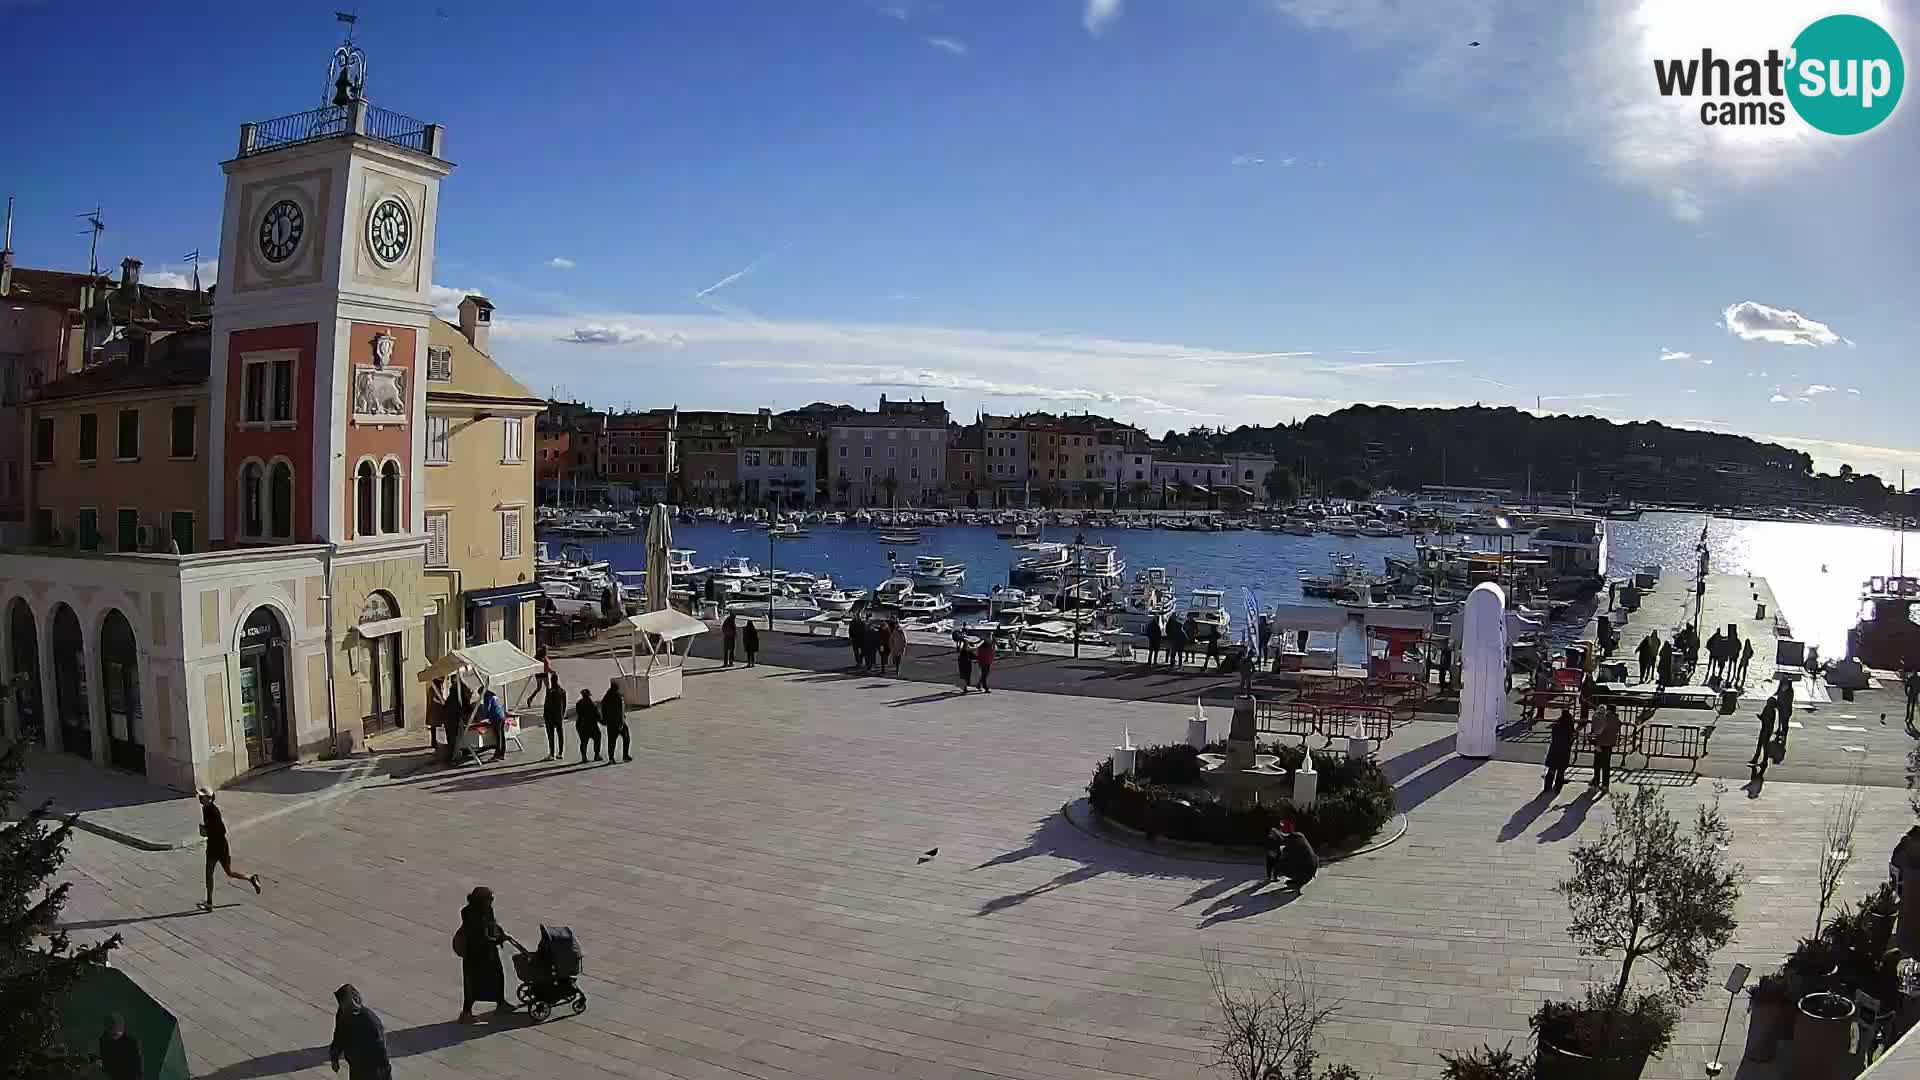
(129, 522)
(180, 524)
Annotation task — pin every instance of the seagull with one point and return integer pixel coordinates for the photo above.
(1473, 44)
(928, 855)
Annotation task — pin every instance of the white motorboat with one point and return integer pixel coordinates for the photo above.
(1042, 561)
(969, 601)
(898, 535)
(761, 588)
(737, 568)
(935, 572)
(1151, 599)
(837, 599)
(786, 530)
(680, 563)
(1209, 608)
(785, 608)
(931, 626)
(1021, 531)
(1341, 526)
(1295, 526)
(925, 605)
(890, 592)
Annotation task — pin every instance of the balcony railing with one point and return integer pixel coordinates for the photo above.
(326, 122)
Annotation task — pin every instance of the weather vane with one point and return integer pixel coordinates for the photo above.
(347, 73)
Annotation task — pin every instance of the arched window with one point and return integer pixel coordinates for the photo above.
(390, 498)
(280, 498)
(252, 519)
(363, 483)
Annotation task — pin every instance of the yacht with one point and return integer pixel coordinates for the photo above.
(890, 592)
(935, 572)
(1209, 609)
(925, 605)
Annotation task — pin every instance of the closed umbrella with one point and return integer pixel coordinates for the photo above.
(659, 539)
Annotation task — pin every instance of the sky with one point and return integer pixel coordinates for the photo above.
(1176, 213)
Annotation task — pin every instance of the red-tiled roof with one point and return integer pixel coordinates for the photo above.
(156, 307)
(177, 360)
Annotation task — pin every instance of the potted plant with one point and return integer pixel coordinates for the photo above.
(1644, 889)
(1822, 1037)
(1769, 1016)
(1814, 965)
(1486, 1063)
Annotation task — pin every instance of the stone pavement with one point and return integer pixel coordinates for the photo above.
(751, 899)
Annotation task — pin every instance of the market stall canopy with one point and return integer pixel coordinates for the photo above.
(1319, 617)
(447, 665)
(498, 662)
(667, 624)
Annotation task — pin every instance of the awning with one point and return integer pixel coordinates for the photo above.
(382, 627)
(667, 624)
(1247, 491)
(1202, 489)
(448, 664)
(504, 594)
(498, 662)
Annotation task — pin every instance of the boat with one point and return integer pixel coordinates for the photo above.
(969, 601)
(1340, 526)
(1042, 562)
(1021, 531)
(737, 568)
(786, 530)
(680, 563)
(787, 608)
(1296, 526)
(1575, 547)
(935, 572)
(762, 588)
(925, 605)
(942, 626)
(889, 592)
(1150, 599)
(898, 536)
(1209, 608)
(1101, 564)
(1886, 635)
(837, 599)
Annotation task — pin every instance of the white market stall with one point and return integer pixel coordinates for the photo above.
(498, 666)
(658, 678)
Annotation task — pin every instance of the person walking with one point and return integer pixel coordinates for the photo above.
(729, 630)
(750, 641)
(496, 715)
(120, 1051)
(1913, 694)
(857, 637)
(554, 712)
(1784, 696)
(1153, 640)
(1264, 634)
(898, 641)
(1715, 643)
(963, 656)
(1559, 751)
(1604, 740)
(1746, 657)
(883, 643)
(586, 724)
(1176, 641)
(1213, 652)
(613, 716)
(359, 1036)
(214, 828)
(1649, 649)
(1763, 750)
(437, 695)
(1189, 637)
(478, 943)
(1666, 672)
(983, 656)
(540, 681)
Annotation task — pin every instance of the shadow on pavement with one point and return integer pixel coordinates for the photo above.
(1572, 816)
(927, 699)
(103, 924)
(1059, 881)
(412, 1041)
(1426, 785)
(500, 778)
(1528, 813)
(1408, 762)
(1255, 899)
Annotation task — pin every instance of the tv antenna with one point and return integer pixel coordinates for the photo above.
(96, 224)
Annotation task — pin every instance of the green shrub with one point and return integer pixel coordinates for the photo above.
(1355, 800)
(1486, 1063)
(1642, 1025)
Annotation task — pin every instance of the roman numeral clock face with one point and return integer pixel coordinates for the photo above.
(389, 231)
(280, 231)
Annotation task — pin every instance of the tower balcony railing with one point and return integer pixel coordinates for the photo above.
(330, 121)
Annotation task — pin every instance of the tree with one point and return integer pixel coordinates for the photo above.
(1846, 471)
(1140, 489)
(1271, 1029)
(891, 483)
(843, 484)
(1836, 847)
(1646, 889)
(39, 964)
(1090, 490)
(1282, 487)
(1349, 487)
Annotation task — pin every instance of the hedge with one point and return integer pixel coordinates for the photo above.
(1165, 798)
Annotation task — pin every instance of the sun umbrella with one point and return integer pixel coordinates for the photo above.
(659, 539)
(108, 990)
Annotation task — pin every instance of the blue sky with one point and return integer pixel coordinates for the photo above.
(1219, 212)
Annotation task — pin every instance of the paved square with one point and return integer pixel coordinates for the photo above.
(749, 895)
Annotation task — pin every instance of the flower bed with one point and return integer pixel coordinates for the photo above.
(1164, 797)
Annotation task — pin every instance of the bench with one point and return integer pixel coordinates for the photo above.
(1686, 742)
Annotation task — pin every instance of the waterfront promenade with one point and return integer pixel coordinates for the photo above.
(752, 898)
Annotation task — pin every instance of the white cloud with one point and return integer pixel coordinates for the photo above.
(617, 334)
(1707, 360)
(1381, 365)
(179, 275)
(1287, 162)
(446, 300)
(1540, 60)
(560, 262)
(1816, 389)
(1777, 398)
(952, 46)
(1675, 354)
(1243, 160)
(1750, 321)
(1098, 14)
(1853, 390)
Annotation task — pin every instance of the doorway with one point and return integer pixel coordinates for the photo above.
(383, 666)
(70, 683)
(263, 689)
(120, 681)
(23, 640)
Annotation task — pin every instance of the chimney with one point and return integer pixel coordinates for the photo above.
(476, 319)
(130, 275)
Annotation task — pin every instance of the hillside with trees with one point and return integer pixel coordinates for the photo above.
(1371, 447)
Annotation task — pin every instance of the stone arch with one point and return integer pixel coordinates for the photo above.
(20, 626)
(119, 698)
(70, 705)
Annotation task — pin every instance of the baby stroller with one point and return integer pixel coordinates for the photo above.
(547, 973)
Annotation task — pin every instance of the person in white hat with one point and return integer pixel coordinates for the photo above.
(214, 828)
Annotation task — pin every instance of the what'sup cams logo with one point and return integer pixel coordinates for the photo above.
(1843, 75)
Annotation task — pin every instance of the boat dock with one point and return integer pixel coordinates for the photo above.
(1742, 601)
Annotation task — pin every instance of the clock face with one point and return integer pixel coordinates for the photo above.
(280, 230)
(389, 230)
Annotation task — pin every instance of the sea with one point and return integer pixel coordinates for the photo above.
(1816, 571)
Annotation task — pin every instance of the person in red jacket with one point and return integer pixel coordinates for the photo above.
(983, 656)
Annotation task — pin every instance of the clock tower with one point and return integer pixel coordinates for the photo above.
(317, 380)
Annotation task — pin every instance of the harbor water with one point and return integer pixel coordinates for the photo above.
(1816, 571)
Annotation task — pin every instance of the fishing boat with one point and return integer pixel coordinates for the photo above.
(890, 592)
(925, 605)
(1209, 608)
(935, 572)
(796, 609)
(1042, 562)
(1101, 564)
(1886, 636)
(898, 535)
(1150, 599)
